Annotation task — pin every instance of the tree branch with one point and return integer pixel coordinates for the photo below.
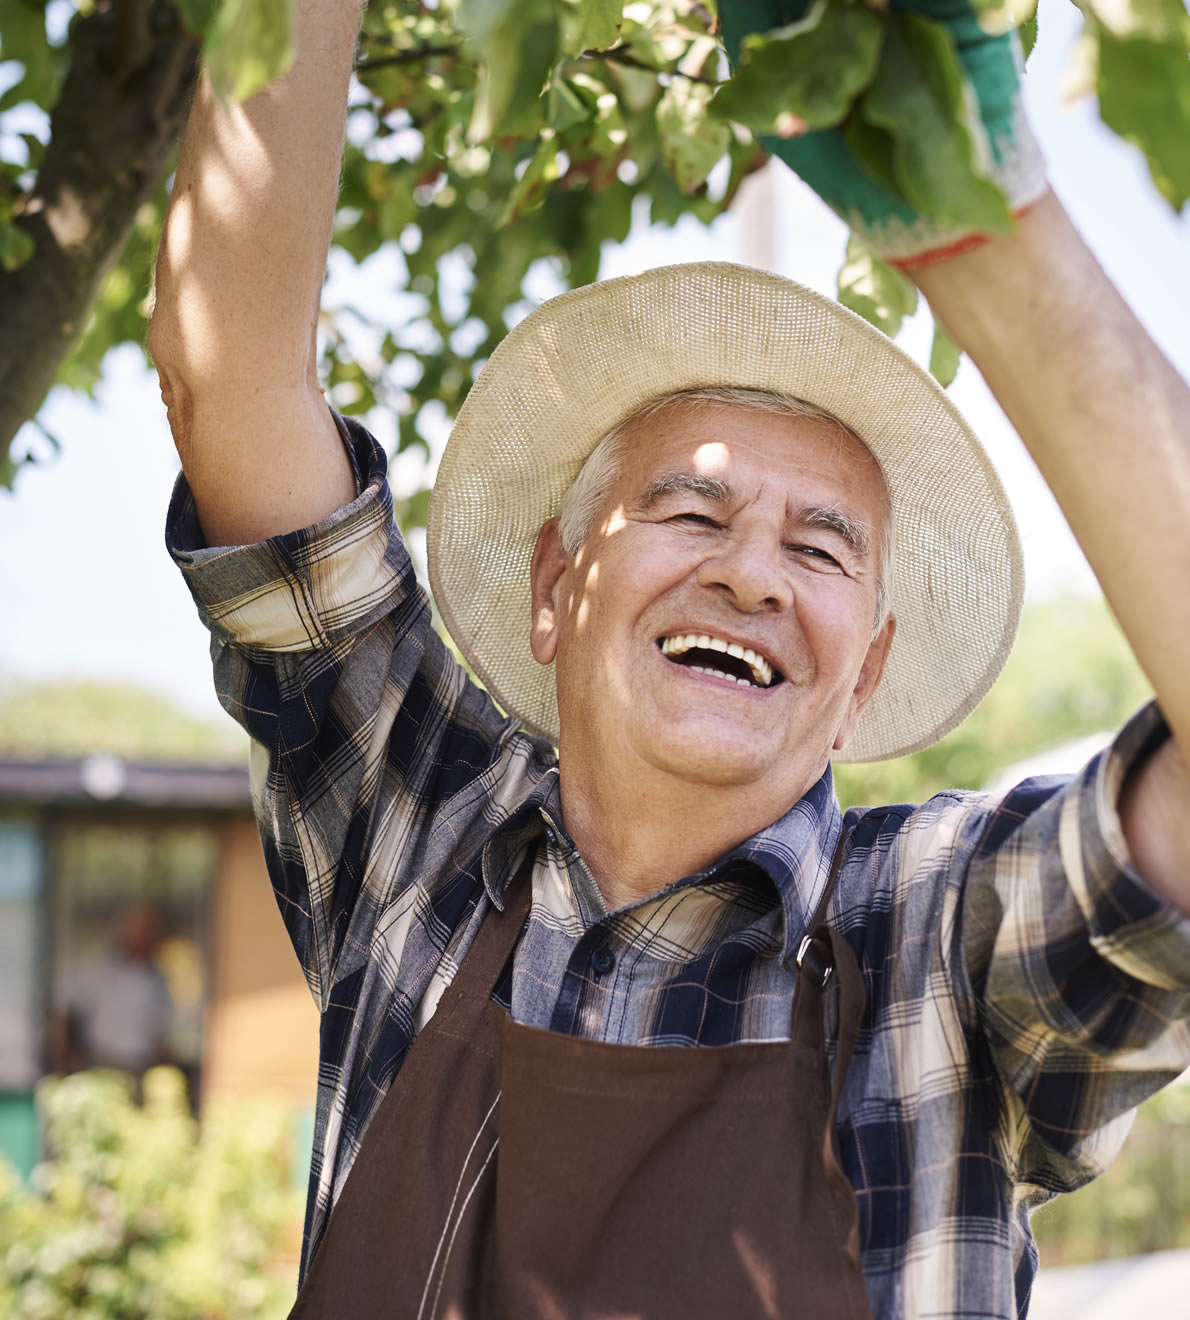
(364, 67)
(112, 133)
(619, 55)
(134, 40)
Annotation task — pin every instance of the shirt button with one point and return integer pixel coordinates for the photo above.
(550, 835)
(602, 961)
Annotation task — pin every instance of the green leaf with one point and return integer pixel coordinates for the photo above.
(588, 24)
(23, 39)
(944, 355)
(874, 149)
(533, 185)
(1144, 95)
(16, 246)
(517, 45)
(198, 14)
(999, 16)
(567, 106)
(35, 148)
(1163, 21)
(249, 44)
(608, 133)
(692, 142)
(921, 99)
(1028, 34)
(806, 75)
(878, 292)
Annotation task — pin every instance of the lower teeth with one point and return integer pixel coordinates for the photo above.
(718, 673)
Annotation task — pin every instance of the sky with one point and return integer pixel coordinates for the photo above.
(87, 591)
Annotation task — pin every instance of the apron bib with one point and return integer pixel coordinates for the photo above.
(512, 1173)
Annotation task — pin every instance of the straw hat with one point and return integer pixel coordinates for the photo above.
(583, 362)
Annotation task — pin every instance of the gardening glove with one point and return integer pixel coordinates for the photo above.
(914, 165)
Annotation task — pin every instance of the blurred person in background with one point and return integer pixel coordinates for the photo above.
(117, 1012)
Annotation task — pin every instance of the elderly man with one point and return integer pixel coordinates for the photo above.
(701, 530)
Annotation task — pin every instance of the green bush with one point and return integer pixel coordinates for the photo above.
(140, 1215)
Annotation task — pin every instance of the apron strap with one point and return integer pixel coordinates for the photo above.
(484, 962)
(851, 1011)
(825, 953)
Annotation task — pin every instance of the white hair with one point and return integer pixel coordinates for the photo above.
(581, 503)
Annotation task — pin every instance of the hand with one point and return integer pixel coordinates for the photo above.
(916, 170)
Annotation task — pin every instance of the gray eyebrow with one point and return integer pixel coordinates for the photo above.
(857, 535)
(687, 483)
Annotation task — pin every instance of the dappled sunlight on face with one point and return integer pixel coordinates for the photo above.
(712, 460)
(588, 581)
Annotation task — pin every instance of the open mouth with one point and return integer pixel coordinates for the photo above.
(721, 659)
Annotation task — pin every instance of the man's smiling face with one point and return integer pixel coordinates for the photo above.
(716, 623)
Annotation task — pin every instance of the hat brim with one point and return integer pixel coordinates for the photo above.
(583, 362)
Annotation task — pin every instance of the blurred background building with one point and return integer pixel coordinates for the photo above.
(137, 926)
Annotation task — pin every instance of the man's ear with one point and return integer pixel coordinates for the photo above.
(550, 561)
(868, 681)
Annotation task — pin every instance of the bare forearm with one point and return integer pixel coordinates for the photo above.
(238, 282)
(1107, 420)
(1104, 414)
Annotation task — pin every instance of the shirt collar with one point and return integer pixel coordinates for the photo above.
(508, 846)
(795, 851)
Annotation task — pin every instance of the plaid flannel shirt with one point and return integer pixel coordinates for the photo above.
(1025, 990)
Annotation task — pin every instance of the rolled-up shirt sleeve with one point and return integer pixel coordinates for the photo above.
(323, 650)
(309, 588)
(1081, 973)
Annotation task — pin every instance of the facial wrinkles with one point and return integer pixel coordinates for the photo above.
(856, 535)
(715, 470)
(627, 710)
(854, 551)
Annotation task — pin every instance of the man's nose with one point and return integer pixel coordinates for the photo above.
(751, 569)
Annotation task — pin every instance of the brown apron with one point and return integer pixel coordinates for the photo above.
(517, 1174)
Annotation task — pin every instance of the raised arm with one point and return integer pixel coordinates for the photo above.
(1104, 415)
(1107, 420)
(239, 276)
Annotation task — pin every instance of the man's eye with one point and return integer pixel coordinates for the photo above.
(699, 519)
(815, 552)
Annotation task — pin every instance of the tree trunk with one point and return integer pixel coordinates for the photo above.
(116, 123)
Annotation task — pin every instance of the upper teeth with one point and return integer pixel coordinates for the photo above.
(762, 671)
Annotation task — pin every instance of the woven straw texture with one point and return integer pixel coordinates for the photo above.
(583, 362)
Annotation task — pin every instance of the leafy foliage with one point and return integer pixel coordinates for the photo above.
(478, 185)
(1143, 81)
(139, 1216)
(490, 136)
(807, 75)
(248, 43)
(874, 289)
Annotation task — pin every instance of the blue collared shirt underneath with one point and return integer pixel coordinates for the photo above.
(1025, 990)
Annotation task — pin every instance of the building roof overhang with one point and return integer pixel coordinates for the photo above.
(110, 780)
